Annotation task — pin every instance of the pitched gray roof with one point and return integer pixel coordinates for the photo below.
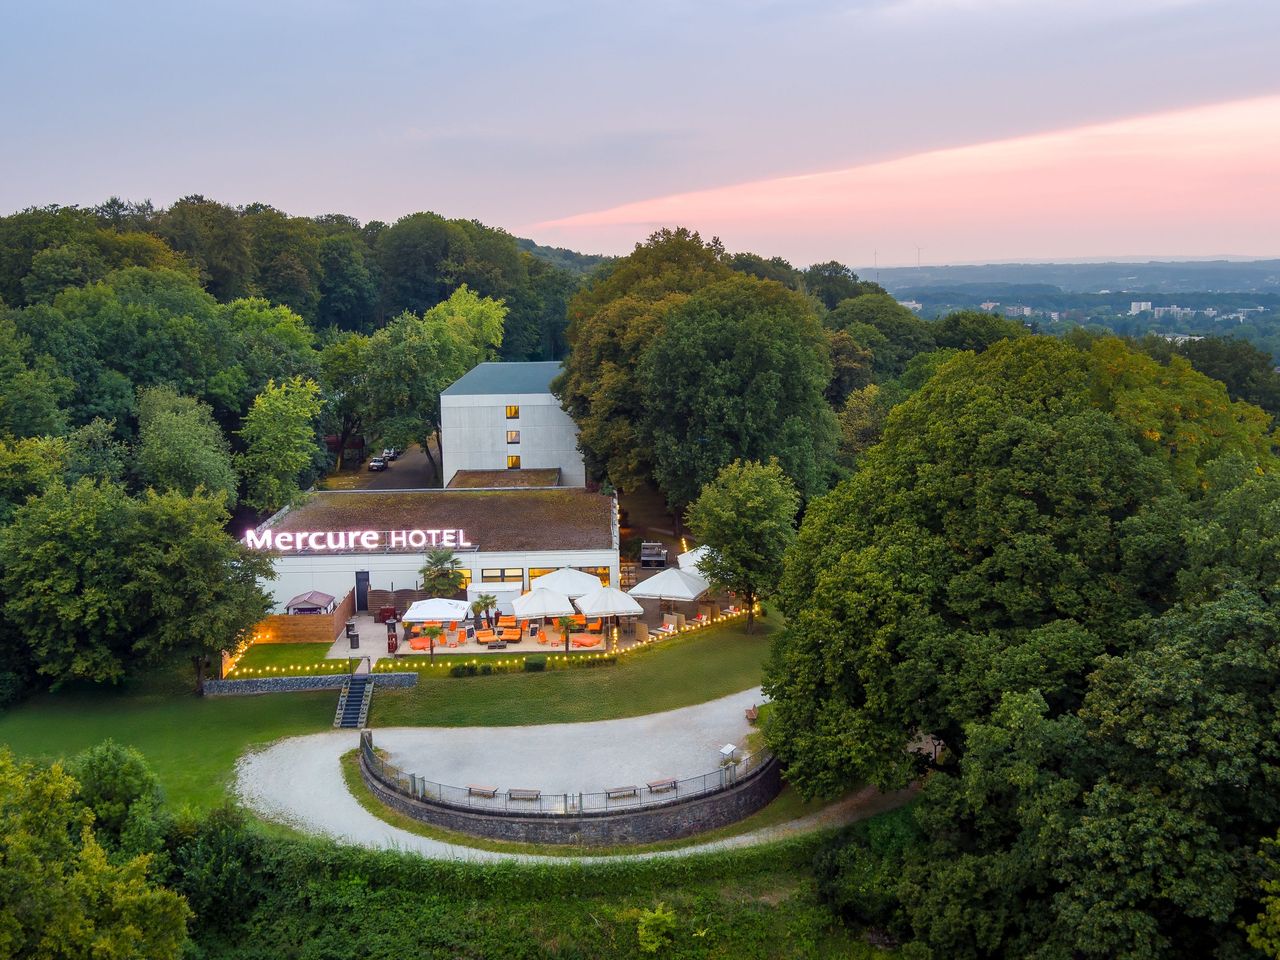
(499, 378)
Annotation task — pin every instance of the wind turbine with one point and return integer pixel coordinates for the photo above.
(918, 249)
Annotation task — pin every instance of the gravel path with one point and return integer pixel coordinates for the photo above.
(298, 780)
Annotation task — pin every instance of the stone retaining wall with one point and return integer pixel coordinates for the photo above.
(222, 688)
(681, 818)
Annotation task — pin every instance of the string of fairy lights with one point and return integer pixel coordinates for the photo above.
(447, 662)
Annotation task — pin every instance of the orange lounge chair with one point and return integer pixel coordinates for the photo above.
(542, 636)
(579, 620)
(524, 626)
(510, 636)
(420, 643)
(506, 621)
(594, 626)
(586, 641)
(485, 636)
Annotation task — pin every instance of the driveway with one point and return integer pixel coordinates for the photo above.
(298, 780)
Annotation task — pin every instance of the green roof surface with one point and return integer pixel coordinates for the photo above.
(499, 378)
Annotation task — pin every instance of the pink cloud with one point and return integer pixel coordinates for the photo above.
(1197, 181)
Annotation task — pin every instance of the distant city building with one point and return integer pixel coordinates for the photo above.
(1017, 310)
(914, 306)
(1139, 306)
(1178, 337)
(1176, 312)
(989, 305)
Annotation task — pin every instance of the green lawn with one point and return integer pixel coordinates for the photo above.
(193, 743)
(674, 673)
(292, 659)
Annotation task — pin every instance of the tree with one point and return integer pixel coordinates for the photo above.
(851, 365)
(344, 379)
(27, 468)
(1248, 373)
(135, 582)
(280, 442)
(889, 330)
(612, 322)
(31, 387)
(1080, 620)
(412, 359)
(348, 287)
(217, 240)
(833, 282)
(442, 574)
(481, 606)
(63, 897)
(124, 797)
(746, 519)
(566, 627)
(975, 330)
(180, 447)
(94, 452)
(737, 371)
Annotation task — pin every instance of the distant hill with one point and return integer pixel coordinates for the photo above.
(1156, 276)
(570, 260)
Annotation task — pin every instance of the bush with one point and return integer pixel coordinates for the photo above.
(535, 665)
(13, 687)
(462, 670)
(655, 928)
(858, 872)
(124, 795)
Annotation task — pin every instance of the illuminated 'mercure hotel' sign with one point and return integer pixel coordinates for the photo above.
(344, 541)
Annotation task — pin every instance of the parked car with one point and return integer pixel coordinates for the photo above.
(377, 463)
(390, 453)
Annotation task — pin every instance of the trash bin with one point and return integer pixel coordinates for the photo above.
(354, 639)
(351, 628)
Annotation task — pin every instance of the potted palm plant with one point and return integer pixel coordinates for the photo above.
(432, 633)
(442, 573)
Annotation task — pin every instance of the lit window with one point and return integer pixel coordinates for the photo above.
(513, 412)
(513, 462)
(502, 575)
(513, 436)
(602, 572)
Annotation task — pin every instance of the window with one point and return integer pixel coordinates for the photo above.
(536, 572)
(502, 575)
(513, 436)
(466, 578)
(513, 462)
(513, 412)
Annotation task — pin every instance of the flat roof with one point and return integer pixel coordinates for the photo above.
(557, 518)
(480, 479)
(495, 378)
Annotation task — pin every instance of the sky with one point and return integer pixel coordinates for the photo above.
(864, 131)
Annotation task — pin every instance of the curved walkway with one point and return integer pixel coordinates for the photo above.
(299, 781)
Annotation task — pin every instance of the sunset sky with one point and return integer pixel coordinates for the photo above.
(956, 130)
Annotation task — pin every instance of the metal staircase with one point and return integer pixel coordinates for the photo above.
(353, 702)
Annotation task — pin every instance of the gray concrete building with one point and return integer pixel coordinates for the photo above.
(503, 416)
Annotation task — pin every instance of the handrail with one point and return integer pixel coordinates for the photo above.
(529, 800)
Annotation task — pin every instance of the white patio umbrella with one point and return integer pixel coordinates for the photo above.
(691, 559)
(671, 584)
(438, 609)
(572, 583)
(542, 603)
(608, 602)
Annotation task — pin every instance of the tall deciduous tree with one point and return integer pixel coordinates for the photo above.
(412, 359)
(746, 519)
(737, 371)
(344, 377)
(180, 447)
(612, 321)
(280, 442)
(134, 582)
(889, 330)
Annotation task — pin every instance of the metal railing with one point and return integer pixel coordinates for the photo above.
(524, 799)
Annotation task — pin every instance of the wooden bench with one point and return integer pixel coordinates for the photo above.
(617, 793)
(753, 713)
(476, 790)
(662, 786)
(520, 794)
